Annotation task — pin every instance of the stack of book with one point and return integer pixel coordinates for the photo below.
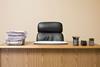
(16, 37)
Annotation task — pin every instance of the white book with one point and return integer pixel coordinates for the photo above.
(14, 42)
(16, 33)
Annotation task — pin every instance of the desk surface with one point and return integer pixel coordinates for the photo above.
(65, 46)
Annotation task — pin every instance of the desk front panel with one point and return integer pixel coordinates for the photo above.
(49, 58)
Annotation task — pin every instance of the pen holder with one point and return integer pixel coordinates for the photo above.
(75, 41)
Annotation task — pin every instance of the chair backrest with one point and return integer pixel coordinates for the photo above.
(50, 31)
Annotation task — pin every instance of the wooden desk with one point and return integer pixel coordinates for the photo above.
(30, 55)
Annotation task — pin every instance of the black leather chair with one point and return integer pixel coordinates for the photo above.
(50, 31)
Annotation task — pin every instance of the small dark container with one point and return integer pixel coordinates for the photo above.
(91, 41)
(83, 42)
(75, 41)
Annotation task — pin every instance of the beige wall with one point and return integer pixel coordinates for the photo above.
(79, 17)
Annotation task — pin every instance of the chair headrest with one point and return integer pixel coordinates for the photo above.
(50, 27)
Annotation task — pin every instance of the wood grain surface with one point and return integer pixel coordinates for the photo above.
(50, 58)
(31, 45)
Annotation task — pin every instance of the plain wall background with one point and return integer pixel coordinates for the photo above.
(79, 17)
